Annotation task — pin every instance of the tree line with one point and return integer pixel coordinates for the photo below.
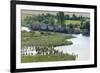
(58, 19)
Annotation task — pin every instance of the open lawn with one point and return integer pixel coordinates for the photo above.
(46, 58)
(44, 39)
(73, 22)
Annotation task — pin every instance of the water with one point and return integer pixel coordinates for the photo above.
(80, 47)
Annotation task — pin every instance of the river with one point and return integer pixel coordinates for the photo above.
(80, 47)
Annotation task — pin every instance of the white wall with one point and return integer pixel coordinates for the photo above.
(5, 37)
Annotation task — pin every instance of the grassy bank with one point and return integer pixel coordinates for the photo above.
(45, 58)
(44, 39)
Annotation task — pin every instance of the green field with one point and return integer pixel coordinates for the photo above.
(73, 22)
(45, 58)
(45, 39)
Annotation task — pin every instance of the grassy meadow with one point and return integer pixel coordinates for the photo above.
(46, 58)
(78, 22)
(45, 39)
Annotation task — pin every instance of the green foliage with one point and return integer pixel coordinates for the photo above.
(86, 25)
(52, 21)
(75, 23)
(60, 18)
(67, 17)
(74, 17)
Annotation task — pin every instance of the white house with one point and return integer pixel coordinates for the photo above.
(25, 29)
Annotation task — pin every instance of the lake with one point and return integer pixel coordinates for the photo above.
(80, 47)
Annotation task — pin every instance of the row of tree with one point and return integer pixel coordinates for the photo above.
(58, 19)
(48, 18)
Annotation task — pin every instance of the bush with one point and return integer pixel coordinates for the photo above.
(41, 32)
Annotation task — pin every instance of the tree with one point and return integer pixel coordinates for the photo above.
(60, 18)
(51, 21)
(74, 17)
(67, 17)
(86, 25)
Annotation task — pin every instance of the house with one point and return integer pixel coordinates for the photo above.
(60, 28)
(51, 27)
(43, 26)
(48, 27)
(35, 26)
(63, 28)
(57, 28)
(25, 29)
